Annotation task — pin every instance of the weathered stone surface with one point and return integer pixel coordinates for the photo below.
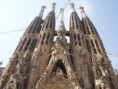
(39, 62)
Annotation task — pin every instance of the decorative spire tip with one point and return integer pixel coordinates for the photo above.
(82, 9)
(83, 12)
(43, 7)
(72, 6)
(62, 11)
(42, 10)
(53, 6)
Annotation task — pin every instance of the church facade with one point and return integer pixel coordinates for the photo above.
(39, 62)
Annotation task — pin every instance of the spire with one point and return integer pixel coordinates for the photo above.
(75, 22)
(62, 11)
(83, 12)
(72, 7)
(53, 7)
(41, 12)
(62, 26)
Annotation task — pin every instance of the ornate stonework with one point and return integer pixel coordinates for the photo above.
(39, 62)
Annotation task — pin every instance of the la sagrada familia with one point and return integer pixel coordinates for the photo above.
(40, 62)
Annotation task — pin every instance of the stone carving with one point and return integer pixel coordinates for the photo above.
(59, 64)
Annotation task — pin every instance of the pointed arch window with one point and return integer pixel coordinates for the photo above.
(61, 66)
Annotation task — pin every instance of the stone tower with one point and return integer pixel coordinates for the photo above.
(39, 62)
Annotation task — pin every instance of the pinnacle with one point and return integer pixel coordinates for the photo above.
(53, 7)
(83, 12)
(41, 12)
(49, 64)
(72, 7)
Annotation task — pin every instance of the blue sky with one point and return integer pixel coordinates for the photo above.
(17, 14)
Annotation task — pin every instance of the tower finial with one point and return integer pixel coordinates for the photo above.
(83, 12)
(72, 6)
(41, 12)
(53, 7)
(62, 11)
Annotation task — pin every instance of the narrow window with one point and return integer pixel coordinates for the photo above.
(76, 19)
(83, 28)
(79, 40)
(92, 30)
(46, 21)
(38, 28)
(27, 44)
(75, 42)
(102, 61)
(92, 84)
(70, 23)
(97, 46)
(71, 57)
(30, 28)
(93, 46)
(22, 44)
(33, 45)
(35, 26)
(88, 45)
(81, 82)
(54, 22)
(47, 38)
(44, 36)
(99, 73)
(73, 21)
(111, 83)
(100, 87)
(78, 37)
(74, 36)
(51, 22)
(87, 28)
(42, 40)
